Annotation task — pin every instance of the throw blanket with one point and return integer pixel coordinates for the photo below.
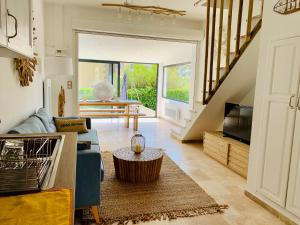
(47, 208)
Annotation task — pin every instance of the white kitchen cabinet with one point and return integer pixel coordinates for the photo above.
(279, 166)
(19, 26)
(16, 28)
(3, 40)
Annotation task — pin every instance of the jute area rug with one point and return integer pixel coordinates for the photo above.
(174, 195)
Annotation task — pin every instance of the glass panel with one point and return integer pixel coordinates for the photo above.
(90, 74)
(177, 82)
(141, 84)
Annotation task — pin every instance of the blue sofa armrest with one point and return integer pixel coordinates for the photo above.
(88, 177)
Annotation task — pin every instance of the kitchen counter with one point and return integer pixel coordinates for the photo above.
(66, 169)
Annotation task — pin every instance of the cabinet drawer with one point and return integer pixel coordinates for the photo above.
(241, 151)
(238, 168)
(216, 149)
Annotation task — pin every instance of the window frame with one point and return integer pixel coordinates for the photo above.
(164, 77)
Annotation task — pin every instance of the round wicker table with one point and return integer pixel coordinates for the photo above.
(138, 168)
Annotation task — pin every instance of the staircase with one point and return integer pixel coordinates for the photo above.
(230, 62)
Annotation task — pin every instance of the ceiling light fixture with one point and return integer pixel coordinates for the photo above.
(151, 9)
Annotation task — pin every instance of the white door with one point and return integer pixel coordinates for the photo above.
(19, 26)
(2, 23)
(281, 88)
(293, 196)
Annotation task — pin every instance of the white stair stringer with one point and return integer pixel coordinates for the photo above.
(235, 87)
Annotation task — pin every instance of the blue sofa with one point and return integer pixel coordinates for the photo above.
(89, 170)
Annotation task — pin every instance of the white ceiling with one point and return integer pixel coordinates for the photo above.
(112, 48)
(193, 13)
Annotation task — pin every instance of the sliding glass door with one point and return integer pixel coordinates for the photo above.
(92, 72)
(131, 81)
(141, 84)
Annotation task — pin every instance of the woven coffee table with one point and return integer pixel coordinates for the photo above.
(138, 168)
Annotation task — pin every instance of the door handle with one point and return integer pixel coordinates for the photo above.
(16, 26)
(290, 102)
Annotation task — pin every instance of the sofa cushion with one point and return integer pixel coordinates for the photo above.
(31, 125)
(47, 119)
(71, 125)
(90, 136)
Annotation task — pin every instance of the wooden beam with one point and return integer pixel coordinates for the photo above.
(220, 41)
(213, 26)
(113, 115)
(228, 44)
(206, 51)
(148, 8)
(238, 31)
(249, 20)
(101, 110)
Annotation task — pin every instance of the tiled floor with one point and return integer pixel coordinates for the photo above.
(221, 183)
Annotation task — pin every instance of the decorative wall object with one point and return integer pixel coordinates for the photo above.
(285, 7)
(25, 68)
(147, 8)
(61, 102)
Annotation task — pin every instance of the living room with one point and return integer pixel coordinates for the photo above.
(76, 151)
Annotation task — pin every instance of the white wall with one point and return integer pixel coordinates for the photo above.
(16, 102)
(248, 100)
(274, 27)
(188, 54)
(94, 19)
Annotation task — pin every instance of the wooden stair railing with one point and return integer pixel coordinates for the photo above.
(211, 84)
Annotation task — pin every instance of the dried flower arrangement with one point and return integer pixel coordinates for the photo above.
(25, 68)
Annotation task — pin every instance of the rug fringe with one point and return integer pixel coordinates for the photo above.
(165, 215)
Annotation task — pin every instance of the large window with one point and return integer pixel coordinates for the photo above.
(177, 82)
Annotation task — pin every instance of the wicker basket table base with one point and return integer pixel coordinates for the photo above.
(138, 168)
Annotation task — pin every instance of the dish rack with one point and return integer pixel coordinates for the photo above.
(26, 163)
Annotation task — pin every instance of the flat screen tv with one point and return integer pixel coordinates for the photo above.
(238, 122)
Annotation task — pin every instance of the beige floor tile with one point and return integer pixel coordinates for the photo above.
(221, 183)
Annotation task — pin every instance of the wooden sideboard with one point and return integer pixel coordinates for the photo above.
(229, 152)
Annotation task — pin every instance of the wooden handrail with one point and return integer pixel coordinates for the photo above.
(211, 80)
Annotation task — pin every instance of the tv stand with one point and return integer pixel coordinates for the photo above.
(229, 152)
